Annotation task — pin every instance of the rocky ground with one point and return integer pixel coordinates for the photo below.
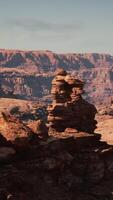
(65, 166)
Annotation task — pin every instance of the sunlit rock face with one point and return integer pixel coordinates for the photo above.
(15, 132)
(69, 109)
(39, 128)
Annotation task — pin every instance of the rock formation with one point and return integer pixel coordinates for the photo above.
(15, 132)
(12, 128)
(39, 128)
(69, 109)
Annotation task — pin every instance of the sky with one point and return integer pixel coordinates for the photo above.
(62, 26)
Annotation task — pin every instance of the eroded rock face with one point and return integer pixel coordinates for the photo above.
(39, 128)
(15, 132)
(12, 128)
(69, 109)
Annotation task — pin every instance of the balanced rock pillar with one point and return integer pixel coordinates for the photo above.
(69, 109)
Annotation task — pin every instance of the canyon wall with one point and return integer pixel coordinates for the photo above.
(28, 74)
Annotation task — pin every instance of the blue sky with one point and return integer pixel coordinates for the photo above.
(57, 25)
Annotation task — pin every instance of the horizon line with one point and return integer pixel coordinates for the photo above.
(52, 51)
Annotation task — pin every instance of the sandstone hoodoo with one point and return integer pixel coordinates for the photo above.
(69, 109)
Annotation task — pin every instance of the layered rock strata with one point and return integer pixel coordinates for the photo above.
(69, 109)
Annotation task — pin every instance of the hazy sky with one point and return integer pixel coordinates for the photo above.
(57, 25)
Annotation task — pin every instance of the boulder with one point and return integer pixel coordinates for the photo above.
(39, 128)
(15, 131)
